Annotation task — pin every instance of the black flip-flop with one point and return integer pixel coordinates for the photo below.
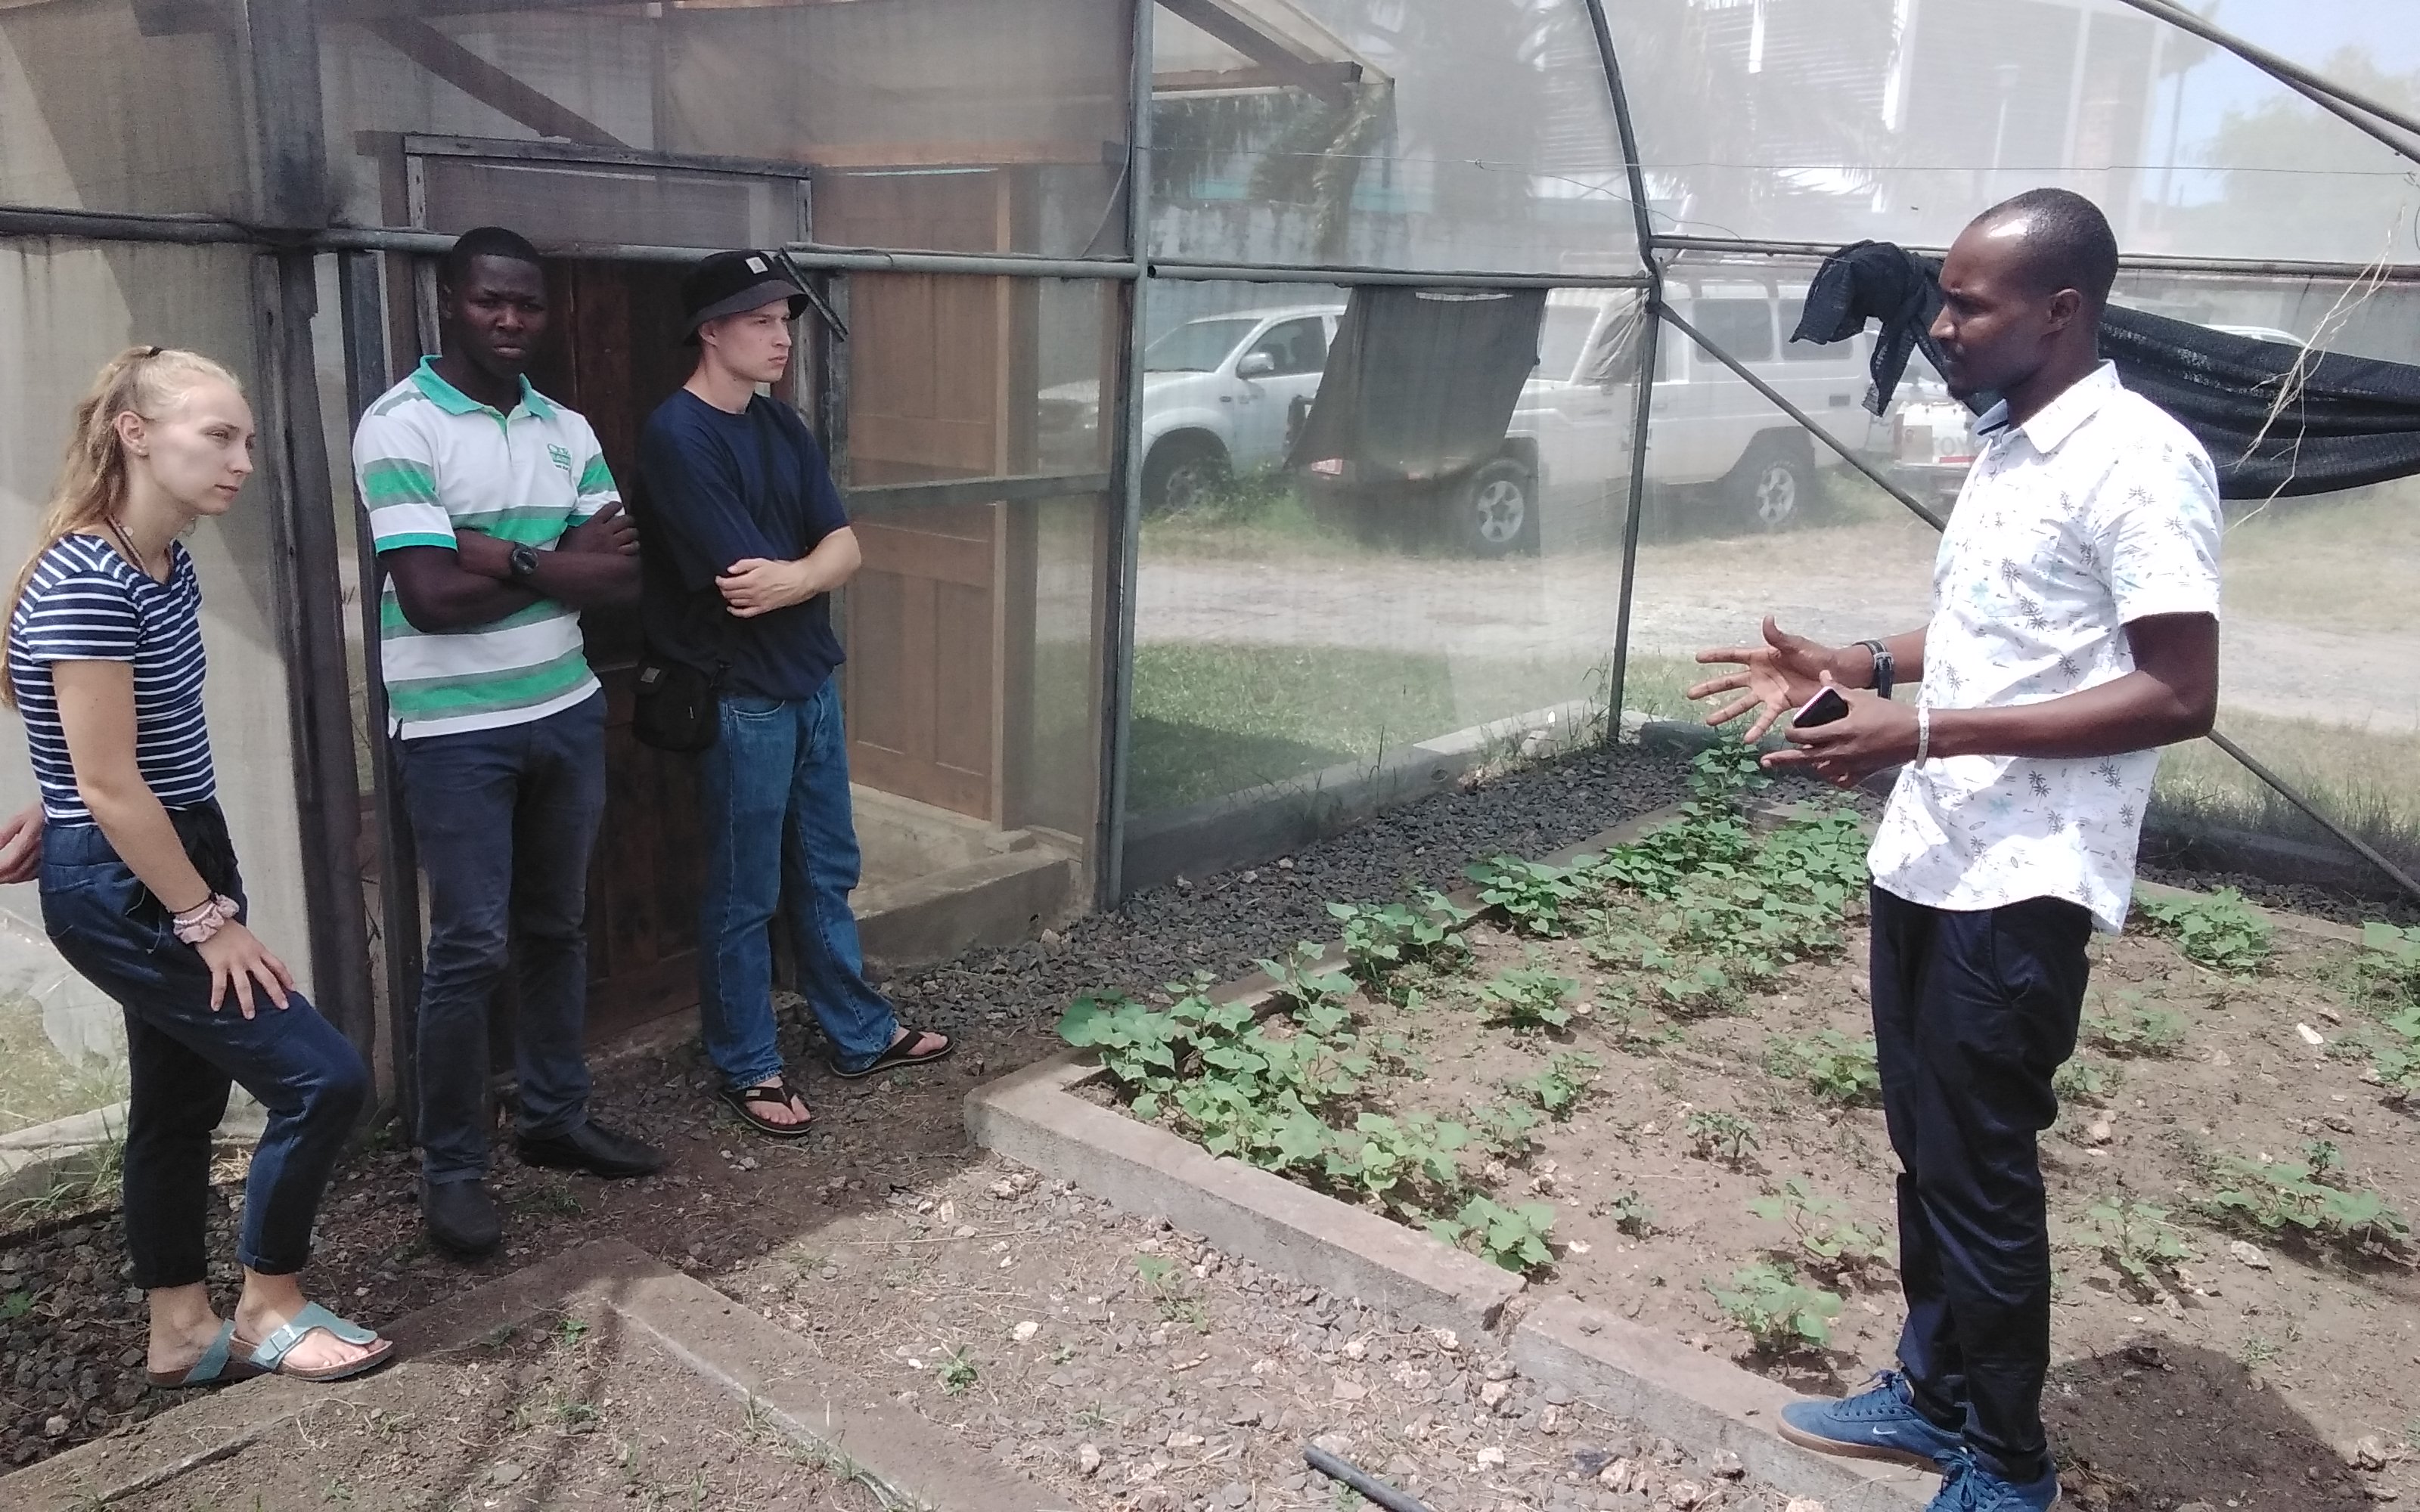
(900, 1054)
(742, 1100)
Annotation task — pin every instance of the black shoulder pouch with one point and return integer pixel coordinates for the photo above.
(676, 707)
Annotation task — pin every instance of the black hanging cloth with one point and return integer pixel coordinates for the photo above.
(2348, 421)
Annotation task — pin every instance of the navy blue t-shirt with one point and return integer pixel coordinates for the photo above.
(710, 503)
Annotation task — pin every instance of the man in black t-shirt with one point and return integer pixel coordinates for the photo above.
(746, 540)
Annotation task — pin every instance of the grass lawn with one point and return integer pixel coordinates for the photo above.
(1213, 719)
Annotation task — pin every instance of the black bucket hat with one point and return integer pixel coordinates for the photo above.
(730, 282)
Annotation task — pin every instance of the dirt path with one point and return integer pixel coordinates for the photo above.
(1836, 585)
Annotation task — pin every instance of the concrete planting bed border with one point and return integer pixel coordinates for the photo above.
(1039, 1117)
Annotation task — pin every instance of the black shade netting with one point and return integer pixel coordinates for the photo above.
(1420, 383)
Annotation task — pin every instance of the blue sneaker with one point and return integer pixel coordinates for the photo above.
(1879, 1422)
(1968, 1486)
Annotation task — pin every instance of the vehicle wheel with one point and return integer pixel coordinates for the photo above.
(1773, 485)
(1182, 473)
(1495, 514)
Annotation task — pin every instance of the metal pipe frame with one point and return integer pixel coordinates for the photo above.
(1642, 421)
(2126, 263)
(2355, 108)
(2284, 789)
(1189, 270)
(1123, 552)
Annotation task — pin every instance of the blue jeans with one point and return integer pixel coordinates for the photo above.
(504, 820)
(181, 1058)
(773, 793)
(1973, 1013)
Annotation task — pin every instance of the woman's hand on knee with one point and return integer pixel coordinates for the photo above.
(238, 960)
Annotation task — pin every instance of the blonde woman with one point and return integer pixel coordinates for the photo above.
(139, 886)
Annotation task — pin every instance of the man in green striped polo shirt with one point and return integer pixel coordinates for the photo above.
(496, 521)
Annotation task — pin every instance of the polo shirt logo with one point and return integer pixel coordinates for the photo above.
(562, 456)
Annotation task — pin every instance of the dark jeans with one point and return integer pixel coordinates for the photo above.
(182, 1057)
(774, 794)
(1974, 1011)
(504, 820)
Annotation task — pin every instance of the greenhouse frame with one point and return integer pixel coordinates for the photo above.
(1098, 283)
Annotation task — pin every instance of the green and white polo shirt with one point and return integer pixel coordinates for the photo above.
(429, 460)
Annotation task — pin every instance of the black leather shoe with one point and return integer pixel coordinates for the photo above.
(461, 1217)
(594, 1149)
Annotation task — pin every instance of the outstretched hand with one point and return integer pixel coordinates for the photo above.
(1778, 677)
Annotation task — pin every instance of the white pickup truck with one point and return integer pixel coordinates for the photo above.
(1224, 394)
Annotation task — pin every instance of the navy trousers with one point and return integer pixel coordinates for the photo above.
(182, 1057)
(1974, 1011)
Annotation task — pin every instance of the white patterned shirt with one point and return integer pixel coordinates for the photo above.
(2100, 510)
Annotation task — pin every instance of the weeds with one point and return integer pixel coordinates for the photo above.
(2138, 1241)
(1720, 1137)
(1780, 1314)
(1631, 1213)
(1836, 1067)
(2218, 930)
(958, 1371)
(2083, 1081)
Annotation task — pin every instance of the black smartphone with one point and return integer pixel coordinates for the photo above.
(1823, 708)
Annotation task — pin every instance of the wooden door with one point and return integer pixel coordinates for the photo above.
(936, 363)
(615, 355)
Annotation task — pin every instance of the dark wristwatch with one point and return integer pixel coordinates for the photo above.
(1885, 665)
(521, 566)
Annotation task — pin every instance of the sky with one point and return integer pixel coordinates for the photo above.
(2304, 32)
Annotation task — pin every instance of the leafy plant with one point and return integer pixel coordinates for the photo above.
(1532, 894)
(2390, 960)
(1780, 1314)
(2218, 930)
(1513, 1238)
(2301, 1197)
(1404, 1163)
(1631, 1213)
(2138, 1241)
(1529, 999)
(2083, 1081)
(1836, 1067)
(1506, 1131)
(1824, 1232)
(15, 1304)
(957, 1371)
(1306, 983)
(2396, 1060)
(1724, 1136)
(1380, 937)
(2134, 1030)
(1558, 1088)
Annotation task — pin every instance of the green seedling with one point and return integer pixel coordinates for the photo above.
(1556, 1089)
(2217, 930)
(1836, 1067)
(2390, 961)
(1527, 999)
(1820, 1225)
(2083, 1081)
(1404, 1163)
(1513, 1238)
(1381, 938)
(1533, 895)
(958, 1370)
(1720, 1137)
(2303, 1198)
(1313, 989)
(15, 1305)
(1780, 1314)
(2132, 1030)
(1506, 1131)
(1631, 1213)
(2137, 1239)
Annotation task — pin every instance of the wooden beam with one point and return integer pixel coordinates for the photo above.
(490, 86)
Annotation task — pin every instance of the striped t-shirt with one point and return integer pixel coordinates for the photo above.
(427, 460)
(86, 603)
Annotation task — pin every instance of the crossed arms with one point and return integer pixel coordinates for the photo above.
(594, 566)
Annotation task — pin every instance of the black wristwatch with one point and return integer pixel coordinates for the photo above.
(1885, 665)
(523, 564)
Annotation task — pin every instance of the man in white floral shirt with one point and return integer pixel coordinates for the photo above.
(2074, 631)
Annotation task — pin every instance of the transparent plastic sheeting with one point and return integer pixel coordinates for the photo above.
(1289, 624)
(945, 125)
(100, 111)
(62, 315)
(1835, 120)
(1478, 134)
